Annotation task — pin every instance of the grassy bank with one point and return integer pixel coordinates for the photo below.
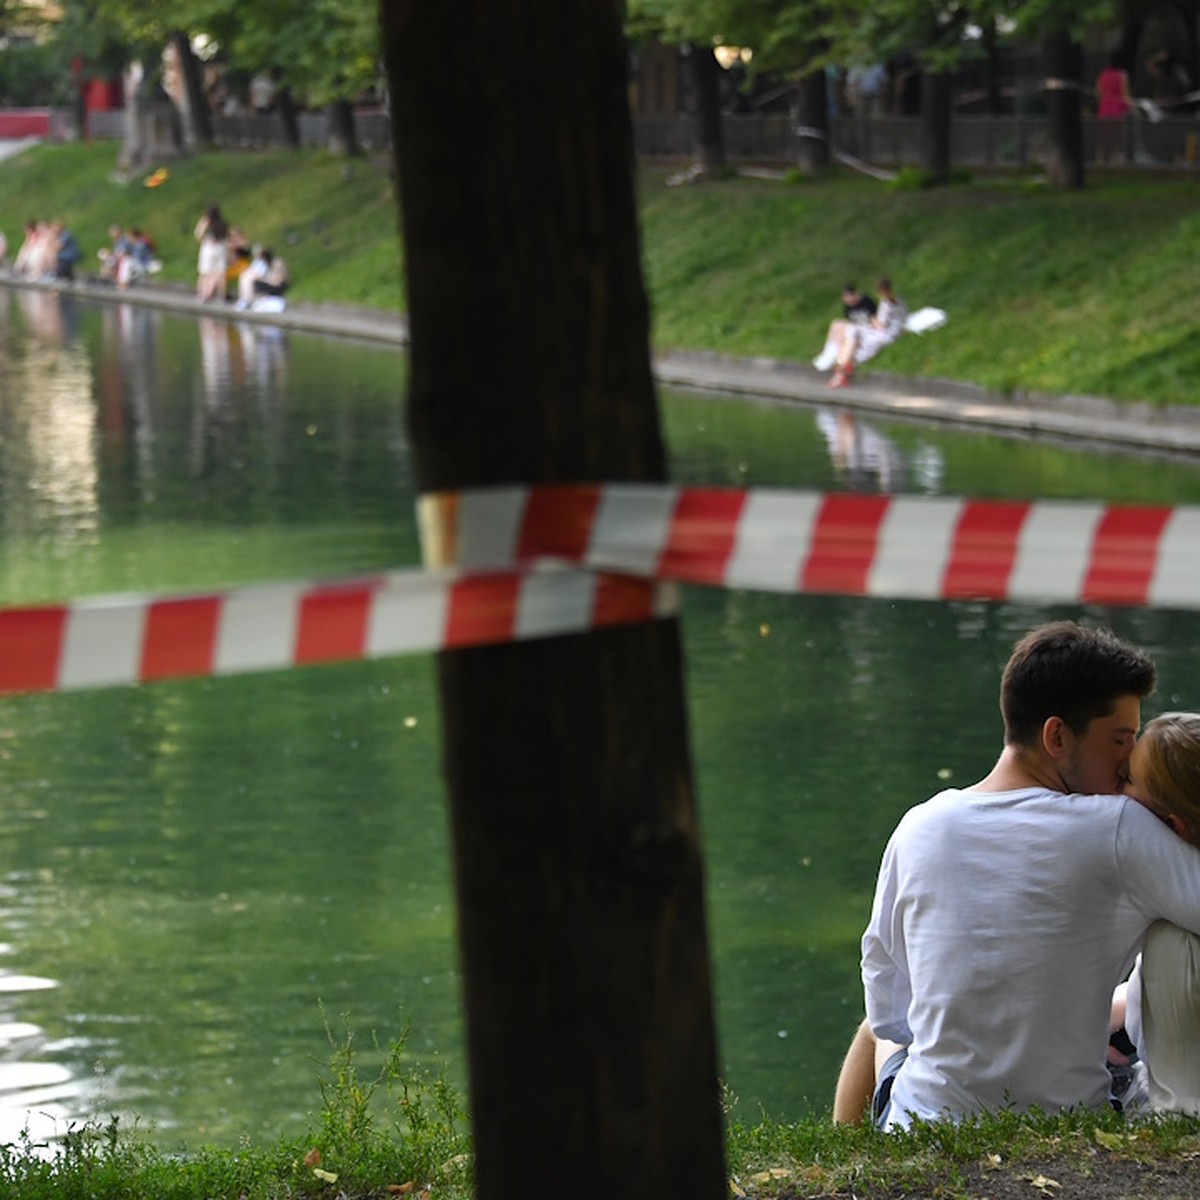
(415, 1147)
(1085, 293)
(745, 267)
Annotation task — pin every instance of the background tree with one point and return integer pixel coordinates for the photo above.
(327, 51)
(577, 861)
(695, 29)
(798, 37)
(1062, 25)
(780, 39)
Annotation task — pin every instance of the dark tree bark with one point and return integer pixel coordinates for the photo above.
(1063, 62)
(197, 103)
(812, 118)
(577, 862)
(995, 104)
(343, 134)
(706, 117)
(288, 119)
(936, 96)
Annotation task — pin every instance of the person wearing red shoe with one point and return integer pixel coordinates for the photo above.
(857, 343)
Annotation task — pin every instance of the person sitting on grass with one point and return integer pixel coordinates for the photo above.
(858, 341)
(265, 277)
(1006, 913)
(1159, 1006)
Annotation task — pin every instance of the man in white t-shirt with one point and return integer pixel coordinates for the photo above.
(1006, 913)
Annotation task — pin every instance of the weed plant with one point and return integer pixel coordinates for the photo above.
(1002, 1155)
(393, 1130)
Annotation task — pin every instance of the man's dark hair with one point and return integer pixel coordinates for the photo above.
(1076, 672)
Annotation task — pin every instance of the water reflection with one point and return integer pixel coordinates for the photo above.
(48, 468)
(866, 460)
(114, 424)
(39, 1096)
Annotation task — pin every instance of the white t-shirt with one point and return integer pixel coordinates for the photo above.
(1001, 924)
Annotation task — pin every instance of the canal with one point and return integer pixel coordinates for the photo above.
(200, 880)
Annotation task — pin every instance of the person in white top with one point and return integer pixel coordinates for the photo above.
(853, 342)
(1005, 914)
(1159, 1006)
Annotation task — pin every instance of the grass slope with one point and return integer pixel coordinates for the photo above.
(1085, 292)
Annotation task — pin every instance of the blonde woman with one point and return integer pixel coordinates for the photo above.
(1160, 1005)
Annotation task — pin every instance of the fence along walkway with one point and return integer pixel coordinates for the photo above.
(1000, 142)
(766, 138)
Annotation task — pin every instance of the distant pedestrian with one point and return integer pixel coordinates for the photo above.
(66, 251)
(1113, 105)
(211, 232)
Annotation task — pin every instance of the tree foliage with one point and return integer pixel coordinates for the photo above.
(795, 36)
(324, 50)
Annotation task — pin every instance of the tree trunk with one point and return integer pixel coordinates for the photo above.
(995, 104)
(1063, 57)
(812, 121)
(342, 136)
(710, 138)
(577, 862)
(288, 119)
(133, 149)
(197, 106)
(936, 99)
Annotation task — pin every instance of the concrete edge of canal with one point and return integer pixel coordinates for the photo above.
(1083, 420)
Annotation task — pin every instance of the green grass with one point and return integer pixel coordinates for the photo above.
(396, 1132)
(1086, 293)
(389, 1128)
(335, 222)
(1080, 293)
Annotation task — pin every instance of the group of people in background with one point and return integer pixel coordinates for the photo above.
(227, 265)
(49, 250)
(130, 256)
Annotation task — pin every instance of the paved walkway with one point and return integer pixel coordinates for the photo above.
(1080, 420)
(11, 146)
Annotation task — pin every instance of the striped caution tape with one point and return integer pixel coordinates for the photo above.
(139, 639)
(514, 563)
(905, 547)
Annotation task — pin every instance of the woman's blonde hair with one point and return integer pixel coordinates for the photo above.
(1171, 767)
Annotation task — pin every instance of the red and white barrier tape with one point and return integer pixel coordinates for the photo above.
(539, 561)
(904, 547)
(137, 639)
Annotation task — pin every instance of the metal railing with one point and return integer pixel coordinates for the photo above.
(977, 142)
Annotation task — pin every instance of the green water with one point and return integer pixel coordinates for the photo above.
(191, 873)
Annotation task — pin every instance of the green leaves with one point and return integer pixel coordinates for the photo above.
(792, 36)
(326, 49)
